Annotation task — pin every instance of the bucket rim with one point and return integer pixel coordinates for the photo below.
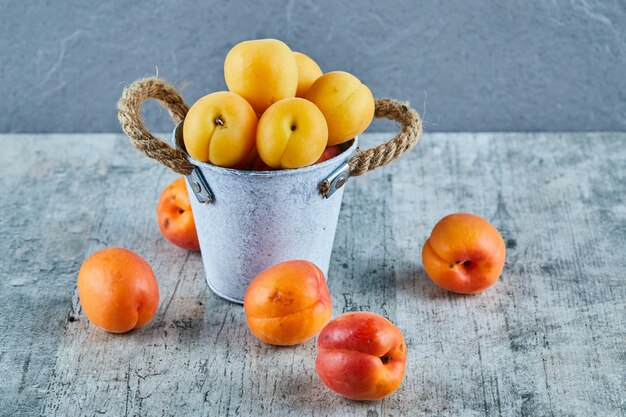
(348, 151)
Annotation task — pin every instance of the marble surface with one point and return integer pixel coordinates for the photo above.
(547, 340)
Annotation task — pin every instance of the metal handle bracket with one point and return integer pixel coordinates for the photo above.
(336, 180)
(200, 187)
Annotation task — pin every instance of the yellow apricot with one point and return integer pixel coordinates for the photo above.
(262, 71)
(220, 128)
(247, 163)
(308, 72)
(292, 133)
(347, 105)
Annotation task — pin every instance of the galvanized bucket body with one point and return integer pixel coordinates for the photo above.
(258, 219)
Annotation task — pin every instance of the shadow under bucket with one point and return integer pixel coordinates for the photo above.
(248, 221)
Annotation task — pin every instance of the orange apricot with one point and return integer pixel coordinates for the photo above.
(288, 303)
(117, 290)
(175, 217)
(464, 253)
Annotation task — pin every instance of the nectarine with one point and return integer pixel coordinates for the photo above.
(329, 153)
(117, 290)
(288, 303)
(259, 165)
(361, 356)
(464, 253)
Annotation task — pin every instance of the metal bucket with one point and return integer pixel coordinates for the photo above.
(248, 221)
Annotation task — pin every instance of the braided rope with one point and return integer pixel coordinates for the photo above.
(384, 153)
(129, 114)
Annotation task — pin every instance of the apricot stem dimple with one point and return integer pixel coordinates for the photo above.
(219, 121)
(385, 359)
(465, 263)
(293, 128)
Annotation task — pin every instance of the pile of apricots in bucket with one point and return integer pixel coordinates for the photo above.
(282, 112)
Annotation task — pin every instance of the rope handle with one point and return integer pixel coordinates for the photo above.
(133, 97)
(129, 114)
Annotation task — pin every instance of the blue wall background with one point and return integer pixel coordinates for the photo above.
(515, 65)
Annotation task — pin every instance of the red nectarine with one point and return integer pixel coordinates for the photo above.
(361, 356)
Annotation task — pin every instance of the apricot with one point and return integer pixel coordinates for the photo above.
(175, 217)
(292, 133)
(464, 253)
(361, 356)
(117, 290)
(347, 105)
(220, 128)
(262, 71)
(308, 72)
(329, 153)
(248, 161)
(288, 303)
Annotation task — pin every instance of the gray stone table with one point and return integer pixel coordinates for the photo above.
(549, 339)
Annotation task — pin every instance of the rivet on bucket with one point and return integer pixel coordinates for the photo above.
(200, 187)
